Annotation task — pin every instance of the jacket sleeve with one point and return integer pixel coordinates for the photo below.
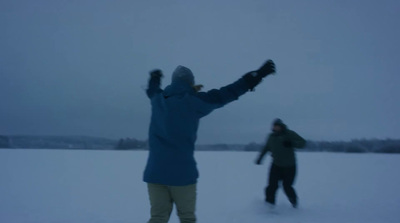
(298, 141)
(153, 87)
(265, 150)
(214, 99)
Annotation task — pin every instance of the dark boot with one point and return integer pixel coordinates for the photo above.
(294, 202)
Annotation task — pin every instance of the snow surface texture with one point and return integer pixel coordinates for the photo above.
(105, 186)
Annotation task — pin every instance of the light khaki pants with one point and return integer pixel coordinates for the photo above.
(163, 197)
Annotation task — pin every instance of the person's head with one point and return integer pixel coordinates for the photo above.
(183, 74)
(278, 126)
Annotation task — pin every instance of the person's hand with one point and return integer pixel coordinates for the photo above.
(266, 69)
(156, 73)
(287, 144)
(254, 78)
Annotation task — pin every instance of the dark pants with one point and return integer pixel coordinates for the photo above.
(287, 176)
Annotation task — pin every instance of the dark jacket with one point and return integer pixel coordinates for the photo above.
(176, 112)
(282, 155)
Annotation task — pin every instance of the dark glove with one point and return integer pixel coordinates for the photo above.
(253, 78)
(156, 73)
(267, 69)
(258, 161)
(288, 144)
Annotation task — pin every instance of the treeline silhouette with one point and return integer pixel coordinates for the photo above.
(131, 144)
(96, 143)
(353, 146)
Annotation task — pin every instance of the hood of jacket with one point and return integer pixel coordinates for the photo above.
(178, 88)
(280, 123)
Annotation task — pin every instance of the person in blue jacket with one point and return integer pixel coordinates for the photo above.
(171, 173)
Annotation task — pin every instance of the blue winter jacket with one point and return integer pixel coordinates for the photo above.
(176, 112)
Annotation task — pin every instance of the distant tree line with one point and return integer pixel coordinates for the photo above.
(131, 144)
(4, 142)
(93, 143)
(219, 147)
(56, 142)
(353, 146)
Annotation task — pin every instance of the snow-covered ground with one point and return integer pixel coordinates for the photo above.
(40, 186)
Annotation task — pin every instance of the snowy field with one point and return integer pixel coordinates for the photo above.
(40, 186)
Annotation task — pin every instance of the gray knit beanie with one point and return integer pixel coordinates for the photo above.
(184, 74)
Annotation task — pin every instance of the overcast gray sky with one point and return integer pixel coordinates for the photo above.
(79, 67)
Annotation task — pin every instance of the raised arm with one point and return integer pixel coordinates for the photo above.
(154, 83)
(218, 98)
